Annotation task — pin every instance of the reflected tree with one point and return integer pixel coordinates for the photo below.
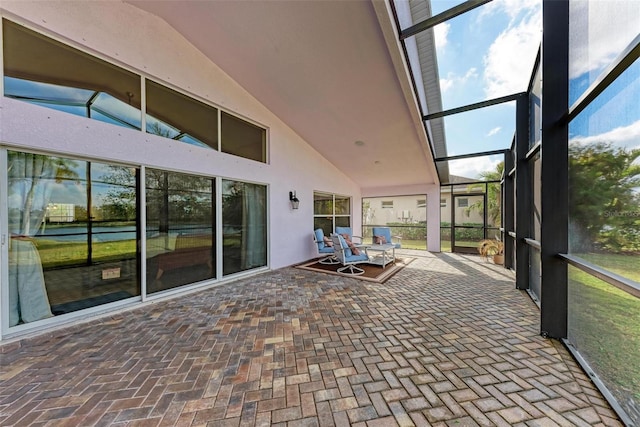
(27, 173)
(120, 200)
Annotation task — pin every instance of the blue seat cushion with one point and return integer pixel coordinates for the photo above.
(384, 232)
(353, 258)
(326, 250)
(320, 238)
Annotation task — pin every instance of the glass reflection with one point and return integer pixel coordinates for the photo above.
(243, 139)
(67, 79)
(80, 102)
(342, 205)
(323, 204)
(61, 259)
(174, 115)
(244, 226)
(180, 229)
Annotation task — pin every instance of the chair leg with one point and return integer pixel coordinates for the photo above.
(352, 270)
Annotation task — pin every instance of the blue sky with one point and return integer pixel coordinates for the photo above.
(601, 31)
(489, 52)
(484, 54)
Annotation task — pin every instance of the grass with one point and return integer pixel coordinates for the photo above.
(605, 327)
(604, 324)
(624, 265)
(58, 254)
(445, 245)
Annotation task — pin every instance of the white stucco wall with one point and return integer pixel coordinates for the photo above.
(145, 44)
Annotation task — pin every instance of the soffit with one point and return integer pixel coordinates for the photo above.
(325, 69)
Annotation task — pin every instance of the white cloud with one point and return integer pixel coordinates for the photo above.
(472, 167)
(624, 136)
(440, 34)
(511, 7)
(602, 29)
(470, 74)
(453, 79)
(510, 58)
(446, 84)
(494, 131)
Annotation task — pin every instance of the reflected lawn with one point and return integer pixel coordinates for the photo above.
(57, 254)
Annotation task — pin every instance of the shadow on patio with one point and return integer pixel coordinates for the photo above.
(446, 341)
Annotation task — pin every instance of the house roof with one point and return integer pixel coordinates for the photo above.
(333, 71)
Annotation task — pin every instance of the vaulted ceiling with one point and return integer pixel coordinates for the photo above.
(332, 70)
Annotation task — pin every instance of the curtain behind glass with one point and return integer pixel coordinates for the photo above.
(29, 182)
(243, 226)
(254, 220)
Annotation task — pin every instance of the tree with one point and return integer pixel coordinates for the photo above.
(494, 208)
(604, 201)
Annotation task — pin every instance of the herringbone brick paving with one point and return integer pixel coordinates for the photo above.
(447, 341)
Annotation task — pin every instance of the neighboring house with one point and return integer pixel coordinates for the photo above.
(465, 210)
(399, 209)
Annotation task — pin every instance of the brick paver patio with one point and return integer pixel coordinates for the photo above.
(447, 341)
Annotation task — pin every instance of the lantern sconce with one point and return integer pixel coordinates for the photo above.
(295, 203)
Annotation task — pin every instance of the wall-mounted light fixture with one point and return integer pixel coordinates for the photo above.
(295, 203)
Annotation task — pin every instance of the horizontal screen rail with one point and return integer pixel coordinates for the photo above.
(630, 286)
(532, 243)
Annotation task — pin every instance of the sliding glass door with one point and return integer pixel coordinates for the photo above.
(73, 230)
(244, 226)
(180, 229)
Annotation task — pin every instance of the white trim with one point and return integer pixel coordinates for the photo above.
(142, 220)
(4, 246)
(219, 236)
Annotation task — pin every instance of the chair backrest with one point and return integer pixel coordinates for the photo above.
(339, 247)
(344, 230)
(318, 237)
(381, 231)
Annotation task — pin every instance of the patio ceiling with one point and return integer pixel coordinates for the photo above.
(331, 70)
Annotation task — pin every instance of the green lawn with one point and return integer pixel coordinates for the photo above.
(605, 327)
(604, 324)
(445, 245)
(624, 265)
(57, 254)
